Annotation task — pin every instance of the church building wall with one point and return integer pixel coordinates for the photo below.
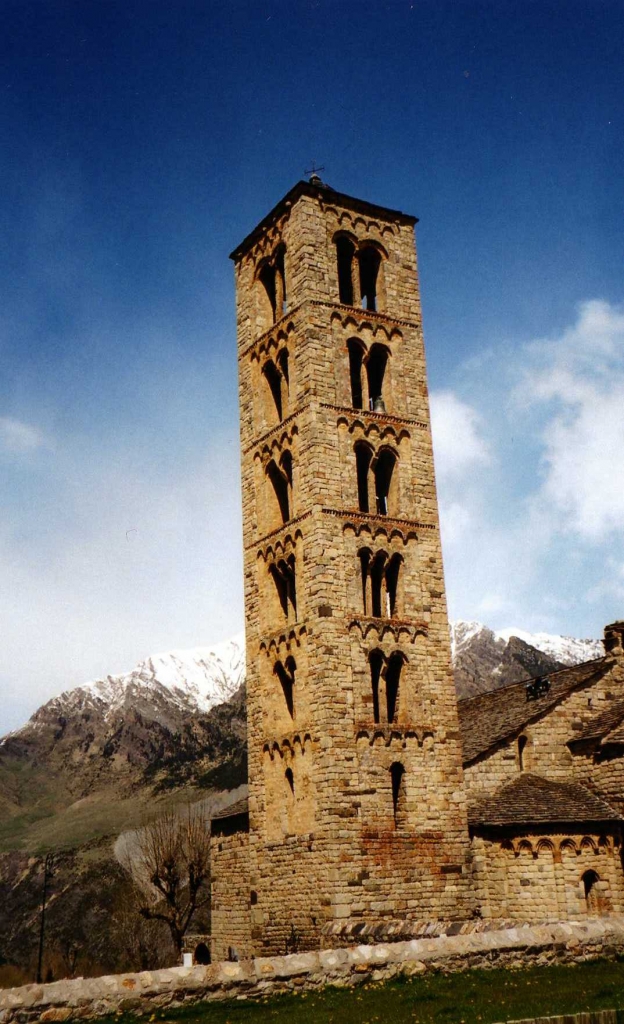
(548, 876)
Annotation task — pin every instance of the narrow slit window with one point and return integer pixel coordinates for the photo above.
(290, 779)
(397, 776)
(522, 742)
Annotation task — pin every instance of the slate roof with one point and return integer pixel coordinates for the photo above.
(608, 727)
(489, 718)
(533, 800)
(240, 807)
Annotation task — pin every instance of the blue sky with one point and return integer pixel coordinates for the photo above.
(141, 141)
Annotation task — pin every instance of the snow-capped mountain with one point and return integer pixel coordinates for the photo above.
(566, 649)
(484, 659)
(193, 680)
(169, 721)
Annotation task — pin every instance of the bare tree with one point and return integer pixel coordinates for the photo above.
(171, 867)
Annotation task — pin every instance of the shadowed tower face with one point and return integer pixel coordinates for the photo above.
(356, 804)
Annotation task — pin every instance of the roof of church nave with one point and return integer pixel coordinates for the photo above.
(492, 717)
(533, 800)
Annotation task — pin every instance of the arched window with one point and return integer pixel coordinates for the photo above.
(280, 282)
(370, 261)
(272, 276)
(274, 380)
(363, 458)
(384, 468)
(397, 776)
(356, 358)
(589, 880)
(283, 574)
(522, 742)
(375, 661)
(365, 556)
(281, 485)
(392, 584)
(282, 362)
(376, 363)
(286, 675)
(377, 567)
(393, 677)
(290, 779)
(345, 250)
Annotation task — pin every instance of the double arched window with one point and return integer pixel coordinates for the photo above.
(283, 575)
(367, 371)
(376, 479)
(360, 271)
(385, 674)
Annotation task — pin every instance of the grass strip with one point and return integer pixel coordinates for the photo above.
(471, 997)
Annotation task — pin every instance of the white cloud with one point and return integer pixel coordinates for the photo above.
(16, 436)
(529, 463)
(458, 444)
(577, 381)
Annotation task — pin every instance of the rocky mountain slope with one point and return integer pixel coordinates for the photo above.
(89, 761)
(484, 659)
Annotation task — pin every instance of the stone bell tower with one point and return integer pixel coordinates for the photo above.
(356, 803)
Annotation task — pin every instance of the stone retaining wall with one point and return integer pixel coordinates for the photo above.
(89, 998)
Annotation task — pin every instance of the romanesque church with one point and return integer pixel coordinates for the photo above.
(375, 798)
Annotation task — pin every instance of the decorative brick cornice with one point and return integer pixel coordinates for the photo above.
(378, 417)
(367, 624)
(278, 325)
(299, 737)
(289, 633)
(281, 530)
(375, 731)
(275, 430)
(363, 315)
(371, 517)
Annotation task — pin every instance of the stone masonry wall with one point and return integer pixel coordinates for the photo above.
(533, 877)
(231, 929)
(472, 945)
